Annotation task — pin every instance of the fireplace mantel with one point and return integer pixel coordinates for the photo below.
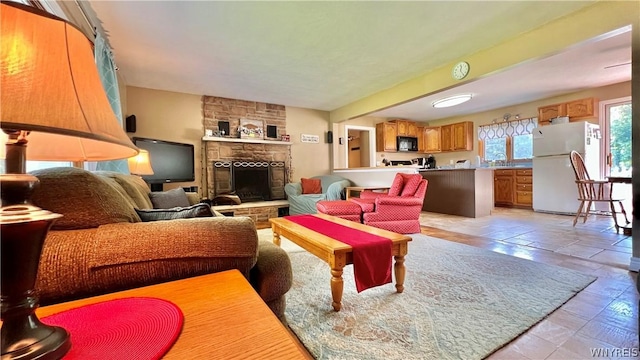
(248, 141)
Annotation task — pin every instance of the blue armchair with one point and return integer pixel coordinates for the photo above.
(332, 189)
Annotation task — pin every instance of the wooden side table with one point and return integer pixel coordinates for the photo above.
(349, 189)
(224, 318)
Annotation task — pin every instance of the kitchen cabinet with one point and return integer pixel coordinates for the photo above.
(457, 137)
(576, 110)
(386, 133)
(580, 109)
(431, 136)
(446, 138)
(513, 187)
(546, 113)
(406, 128)
(462, 136)
(524, 188)
(503, 187)
(421, 140)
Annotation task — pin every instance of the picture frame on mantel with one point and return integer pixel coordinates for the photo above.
(251, 129)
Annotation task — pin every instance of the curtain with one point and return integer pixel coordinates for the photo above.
(107, 71)
(507, 129)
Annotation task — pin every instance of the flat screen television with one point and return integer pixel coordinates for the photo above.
(171, 161)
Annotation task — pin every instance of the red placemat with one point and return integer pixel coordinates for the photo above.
(128, 328)
(371, 253)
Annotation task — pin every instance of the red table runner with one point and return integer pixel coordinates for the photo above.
(128, 328)
(371, 253)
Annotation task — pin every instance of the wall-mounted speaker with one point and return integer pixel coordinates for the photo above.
(224, 126)
(329, 137)
(272, 131)
(130, 123)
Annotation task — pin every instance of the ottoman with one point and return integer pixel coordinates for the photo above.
(340, 208)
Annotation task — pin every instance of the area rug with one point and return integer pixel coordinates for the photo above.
(460, 302)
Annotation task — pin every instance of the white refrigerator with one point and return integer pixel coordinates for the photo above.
(554, 187)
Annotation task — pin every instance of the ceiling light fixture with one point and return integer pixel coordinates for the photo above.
(451, 101)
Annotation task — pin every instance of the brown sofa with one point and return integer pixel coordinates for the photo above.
(100, 244)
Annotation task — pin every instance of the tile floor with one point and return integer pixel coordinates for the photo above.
(603, 316)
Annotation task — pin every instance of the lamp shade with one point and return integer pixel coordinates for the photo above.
(50, 87)
(140, 164)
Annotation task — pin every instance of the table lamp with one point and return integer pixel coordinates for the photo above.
(140, 164)
(50, 94)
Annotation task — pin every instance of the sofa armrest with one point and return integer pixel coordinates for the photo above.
(113, 257)
(336, 191)
(293, 189)
(398, 200)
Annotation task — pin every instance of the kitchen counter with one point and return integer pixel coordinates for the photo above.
(374, 176)
(463, 192)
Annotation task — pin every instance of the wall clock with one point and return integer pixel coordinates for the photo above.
(460, 70)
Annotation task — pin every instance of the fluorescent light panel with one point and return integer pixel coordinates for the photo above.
(451, 101)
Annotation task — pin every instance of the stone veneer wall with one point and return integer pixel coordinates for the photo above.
(222, 109)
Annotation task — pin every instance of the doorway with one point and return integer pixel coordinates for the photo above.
(616, 157)
(360, 146)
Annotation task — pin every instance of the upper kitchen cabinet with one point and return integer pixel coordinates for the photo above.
(546, 113)
(421, 140)
(406, 128)
(576, 110)
(462, 136)
(583, 108)
(386, 133)
(431, 136)
(457, 137)
(446, 138)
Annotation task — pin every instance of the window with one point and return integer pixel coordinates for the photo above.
(507, 141)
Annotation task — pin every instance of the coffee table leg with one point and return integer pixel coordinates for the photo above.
(399, 270)
(337, 286)
(276, 238)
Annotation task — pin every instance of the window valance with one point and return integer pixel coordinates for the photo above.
(507, 129)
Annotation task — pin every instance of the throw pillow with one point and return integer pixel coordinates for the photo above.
(169, 199)
(311, 186)
(193, 211)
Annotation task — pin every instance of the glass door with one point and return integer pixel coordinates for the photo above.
(616, 150)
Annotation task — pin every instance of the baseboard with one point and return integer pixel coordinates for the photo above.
(634, 264)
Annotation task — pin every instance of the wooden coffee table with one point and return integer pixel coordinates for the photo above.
(336, 253)
(224, 318)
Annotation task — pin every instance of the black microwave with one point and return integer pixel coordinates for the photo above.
(406, 143)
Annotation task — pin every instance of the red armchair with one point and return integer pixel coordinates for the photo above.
(399, 208)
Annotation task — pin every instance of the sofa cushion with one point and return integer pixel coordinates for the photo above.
(197, 210)
(85, 199)
(135, 187)
(169, 199)
(311, 186)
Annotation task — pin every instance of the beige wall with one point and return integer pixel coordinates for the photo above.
(169, 116)
(525, 110)
(177, 117)
(308, 159)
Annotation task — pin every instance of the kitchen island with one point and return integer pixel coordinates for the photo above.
(463, 192)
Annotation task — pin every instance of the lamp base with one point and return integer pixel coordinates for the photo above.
(23, 229)
(42, 342)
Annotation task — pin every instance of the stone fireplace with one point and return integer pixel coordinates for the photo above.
(265, 162)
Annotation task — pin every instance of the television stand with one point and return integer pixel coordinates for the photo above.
(156, 187)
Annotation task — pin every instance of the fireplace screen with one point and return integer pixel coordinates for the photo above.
(250, 180)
